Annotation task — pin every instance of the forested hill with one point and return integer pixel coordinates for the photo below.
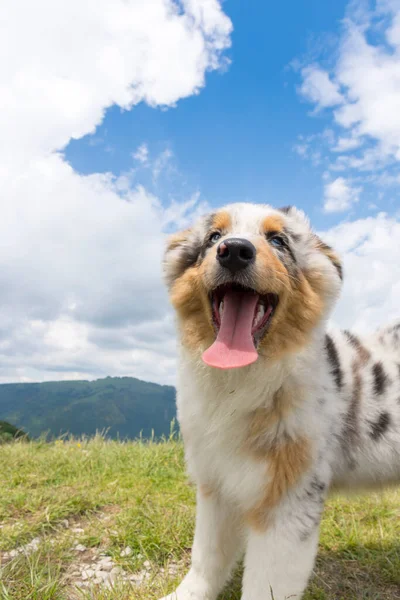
(123, 405)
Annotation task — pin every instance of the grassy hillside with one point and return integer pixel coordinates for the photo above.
(9, 432)
(96, 514)
(123, 405)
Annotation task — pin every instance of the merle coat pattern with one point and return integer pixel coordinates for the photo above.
(264, 443)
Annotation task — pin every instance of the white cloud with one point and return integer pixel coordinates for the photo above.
(371, 257)
(371, 75)
(80, 280)
(67, 62)
(161, 163)
(141, 154)
(318, 87)
(301, 149)
(80, 263)
(360, 89)
(344, 144)
(340, 195)
(366, 92)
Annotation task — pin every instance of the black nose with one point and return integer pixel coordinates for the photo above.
(236, 254)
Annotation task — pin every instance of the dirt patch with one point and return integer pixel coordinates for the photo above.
(75, 526)
(95, 569)
(26, 549)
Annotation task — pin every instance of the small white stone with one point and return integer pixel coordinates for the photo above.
(80, 548)
(77, 530)
(103, 575)
(32, 546)
(87, 574)
(106, 564)
(147, 564)
(127, 551)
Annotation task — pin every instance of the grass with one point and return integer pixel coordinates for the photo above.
(110, 495)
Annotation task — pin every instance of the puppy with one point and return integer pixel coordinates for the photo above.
(273, 409)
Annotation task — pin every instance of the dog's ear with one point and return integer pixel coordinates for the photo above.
(329, 253)
(286, 209)
(182, 252)
(299, 216)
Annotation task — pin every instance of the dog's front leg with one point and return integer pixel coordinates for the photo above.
(280, 556)
(216, 548)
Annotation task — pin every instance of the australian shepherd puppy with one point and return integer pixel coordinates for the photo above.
(274, 410)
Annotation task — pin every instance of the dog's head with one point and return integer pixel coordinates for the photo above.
(250, 280)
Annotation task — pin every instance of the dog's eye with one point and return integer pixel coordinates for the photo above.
(214, 237)
(277, 241)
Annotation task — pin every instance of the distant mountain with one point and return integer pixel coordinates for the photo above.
(125, 406)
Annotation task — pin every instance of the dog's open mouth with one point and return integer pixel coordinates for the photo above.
(241, 317)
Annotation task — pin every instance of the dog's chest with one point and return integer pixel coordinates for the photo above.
(215, 447)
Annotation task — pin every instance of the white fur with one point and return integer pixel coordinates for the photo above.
(215, 408)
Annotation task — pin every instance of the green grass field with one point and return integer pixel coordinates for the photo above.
(85, 502)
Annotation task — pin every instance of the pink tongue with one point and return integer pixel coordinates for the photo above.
(234, 346)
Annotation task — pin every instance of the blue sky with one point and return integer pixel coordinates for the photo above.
(235, 140)
(158, 111)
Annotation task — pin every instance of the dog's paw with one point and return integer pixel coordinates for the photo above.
(193, 587)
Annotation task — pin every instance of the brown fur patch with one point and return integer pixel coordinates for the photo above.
(190, 299)
(270, 273)
(191, 302)
(222, 221)
(272, 223)
(262, 420)
(286, 463)
(351, 432)
(206, 490)
(265, 422)
(363, 353)
(301, 303)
